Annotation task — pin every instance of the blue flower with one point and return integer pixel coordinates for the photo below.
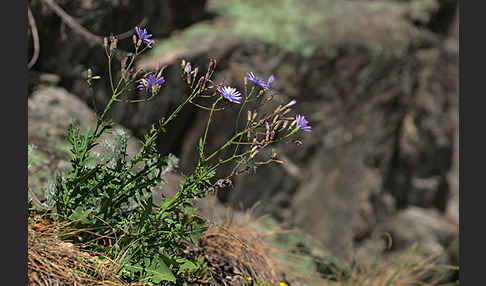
(303, 123)
(142, 34)
(150, 81)
(265, 85)
(230, 93)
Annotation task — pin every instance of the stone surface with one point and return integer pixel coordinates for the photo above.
(50, 112)
(427, 231)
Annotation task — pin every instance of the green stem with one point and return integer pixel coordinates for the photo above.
(111, 76)
(228, 143)
(209, 122)
(213, 168)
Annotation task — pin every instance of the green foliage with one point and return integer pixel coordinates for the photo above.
(112, 197)
(108, 198)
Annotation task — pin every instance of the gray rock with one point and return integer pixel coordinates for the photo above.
(430, 232)
(50, 112)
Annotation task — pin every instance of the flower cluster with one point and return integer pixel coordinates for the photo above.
(232, 95)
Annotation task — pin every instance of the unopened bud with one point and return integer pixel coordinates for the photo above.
(212, 64)
(105, 42)
(124, 63)
(291, 103)
(134, 39)
(293, 124)
(267, 134)
(114, 43)
(188, 68)
(159, 74)
(275, 118)
(286, 111)
(249, 115)
(286, 122)
(139, 42)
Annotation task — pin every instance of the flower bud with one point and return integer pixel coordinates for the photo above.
(292, 124)
(254, 116)
(275, 119)
(286, 122)
(286, 111)
(114, 43)
(290, 103)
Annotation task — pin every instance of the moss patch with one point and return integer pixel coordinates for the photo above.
(304, 27)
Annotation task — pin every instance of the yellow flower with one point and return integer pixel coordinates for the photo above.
(283, 284)
(248, 278)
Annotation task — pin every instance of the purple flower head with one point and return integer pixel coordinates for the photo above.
(303, 123)
(265, 85)
(150, 81)
(143, 35)
(230, 93)
(188, 68)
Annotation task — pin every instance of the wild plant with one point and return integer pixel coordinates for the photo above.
(108, 198)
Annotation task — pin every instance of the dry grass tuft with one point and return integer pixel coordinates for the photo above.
(52, 261)
(236, 250)
(407, 269)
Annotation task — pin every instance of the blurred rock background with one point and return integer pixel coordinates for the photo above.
(378, 81)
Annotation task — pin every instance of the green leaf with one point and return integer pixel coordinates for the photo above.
(186, 265)
(201, 148)
(81, 214)
(159, 271)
